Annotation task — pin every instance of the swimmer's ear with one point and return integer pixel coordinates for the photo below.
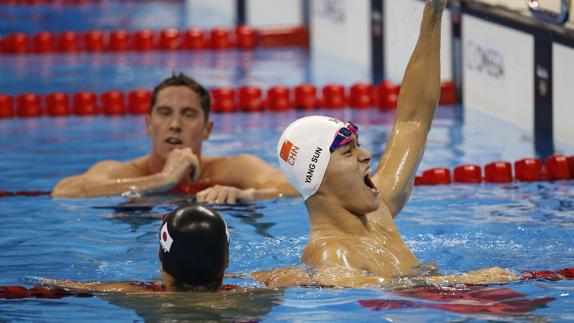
(207, 130)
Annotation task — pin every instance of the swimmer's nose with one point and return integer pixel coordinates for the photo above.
(175, 124)
(364, 155)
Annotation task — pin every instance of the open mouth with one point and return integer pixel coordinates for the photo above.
(174, 141)
(369, 182)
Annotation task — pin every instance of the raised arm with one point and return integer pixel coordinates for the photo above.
(417, 102)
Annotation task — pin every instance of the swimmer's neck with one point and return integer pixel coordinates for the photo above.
(327, 215)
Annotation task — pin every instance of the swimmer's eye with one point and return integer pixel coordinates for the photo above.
(189, 114)
(163, 111)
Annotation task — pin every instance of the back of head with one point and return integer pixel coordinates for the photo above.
(194, 247)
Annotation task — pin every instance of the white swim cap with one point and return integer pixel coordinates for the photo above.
(304, 151)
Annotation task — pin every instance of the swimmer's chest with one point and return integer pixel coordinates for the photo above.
(381, 253)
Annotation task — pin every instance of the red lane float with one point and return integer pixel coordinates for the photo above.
(6, 106)
(68, 41)
(16, 43)
(250, 98)
(306, 97)
(45, 2)
(219, 39)
(279, 98)
(84, 103)
(57, 104)
(113, 103)
(334, 96)
(223, 100)
(194, 39)
(139, 101)
(436, 176)
(24, 193)
(242, 37)
(169, 39)
(283, 36)
(556, 167)
(361, 96)
(571, 165)
(528, 169)
(498, 172)
(246, 37)
(447, 93)
(467, 174)
(388, 95)
(118, 41)
(28, 105)
(44, 42)
(94, 41)
(143, 40)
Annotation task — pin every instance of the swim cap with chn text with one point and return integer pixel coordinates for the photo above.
(303, 151)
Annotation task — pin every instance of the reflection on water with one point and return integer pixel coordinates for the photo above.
(143, 211)
(236, 305)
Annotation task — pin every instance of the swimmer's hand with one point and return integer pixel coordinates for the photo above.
(220, 194)
(437, 4)
(181, 162)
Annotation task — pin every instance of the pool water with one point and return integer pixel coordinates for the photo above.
(460, 227)
(517, 226)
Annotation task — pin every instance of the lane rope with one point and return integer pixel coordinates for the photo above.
(242, 37)
(224, 100)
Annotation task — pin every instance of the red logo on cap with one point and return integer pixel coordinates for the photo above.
(164, 236)
(289, 152)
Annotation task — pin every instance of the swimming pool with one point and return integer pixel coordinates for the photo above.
(460, 227)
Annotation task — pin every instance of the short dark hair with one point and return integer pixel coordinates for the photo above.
(184, 80)
(194, 247)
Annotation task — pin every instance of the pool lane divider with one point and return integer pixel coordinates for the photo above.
(24, 193)
(556, 167)
(19, 292)
(224, 100)
(56, 3)
(242, 37)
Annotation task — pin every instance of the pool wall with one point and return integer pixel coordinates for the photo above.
(505, 60)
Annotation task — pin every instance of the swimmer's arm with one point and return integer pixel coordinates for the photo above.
(247, 178)
(326, 276)
(109, 178)
(258, 174)
(96, 287)
(284, 277)
(417, 103)
(491, 275)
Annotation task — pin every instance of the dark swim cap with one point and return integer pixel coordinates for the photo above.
(194, 246)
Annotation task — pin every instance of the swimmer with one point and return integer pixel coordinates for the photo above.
(193, 252)
(354, 239)
(178, 124)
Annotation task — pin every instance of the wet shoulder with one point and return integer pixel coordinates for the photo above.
(226, 170)
(136, 167)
